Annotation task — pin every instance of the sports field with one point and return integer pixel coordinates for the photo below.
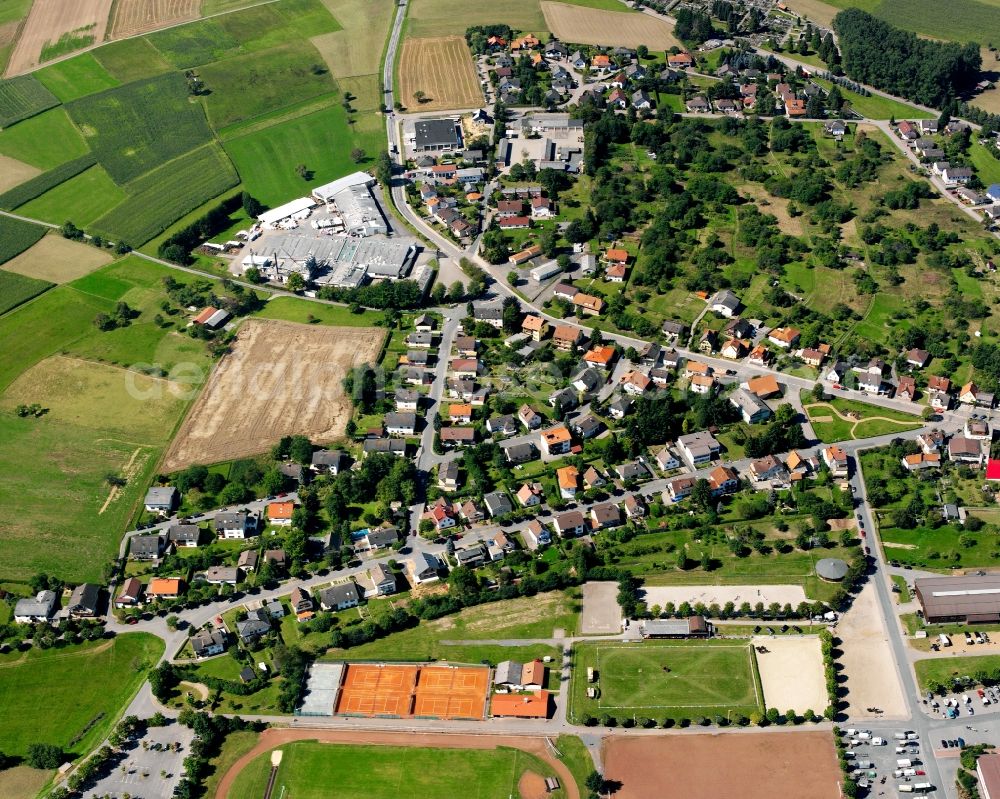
(443, 70)
(410, 769)
(762, 766)
(659, 679)
(610, 28)
(71, 696)
(406, 690)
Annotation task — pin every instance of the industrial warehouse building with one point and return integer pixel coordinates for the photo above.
(971, 598)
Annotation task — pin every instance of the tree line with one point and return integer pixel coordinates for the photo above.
(899, 62)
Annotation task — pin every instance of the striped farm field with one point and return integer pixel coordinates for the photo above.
(572, 23)
(441, 68)
(130, 17)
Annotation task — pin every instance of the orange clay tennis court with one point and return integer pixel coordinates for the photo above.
(446, 692)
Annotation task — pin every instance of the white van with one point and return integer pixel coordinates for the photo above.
(906, 789)
(903, 763)
(901, 750)
(967, 699)
(878, 741)
(900, 736)
(864, 736)
(912, 736)
(944, 640)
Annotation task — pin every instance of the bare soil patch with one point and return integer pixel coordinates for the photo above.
(269, 739)
(872, 679)
(56, 259)
(721, 594)
(531, 786)
(758, 766)
(612, 28)
(442, 68)
(280, 379)
(990, 99)
(791, 673)
(139, 16)
(14, 172)
(49, 20)
(601, 614)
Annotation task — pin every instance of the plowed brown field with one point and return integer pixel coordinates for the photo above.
(441, 68)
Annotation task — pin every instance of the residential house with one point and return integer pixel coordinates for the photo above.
(605, 515)
(921, 460)
(681, 60)
(472, 556)
(969, 394)
(702, 384)
(978, 429)
(442, 514)
(812, 357)
(146, 547)
(635, 506)
(407, 399)
(454, 436)
(699, 448)
(836, 461)
(520, 453)
(83, 601)
(697, 105)
(497, 504)
(248, 560)
(328, 460)
(768, 468)
(931, 441)
(568, 478)
(906, 389)
(130, 595)
(221, 575)
(535, 535)
(679, 488)
(836, 372)
(466, 346)
(209, 642)
(588, 381)
(301, 602)
(448, 476)
(602, 357)
(695, 368)
(565, 337)
(471, 512)
(424, 568)
(339, 597)
(383, 581)
(965, 450)
(723, 480)
(725, 303)
(635, 383)
(256, 625)
(751, 407)
(161, 588)
(389, 446)
(535, 326)
(666, 460)
(917, 358)
(279, 514)
(161, 499)
(619, 408)
(784, 337)
(570, 524)
(235, 524)
(764, 386)
(633, 470)
(530, 418)
(530, 495)
(556, 440)
(734, 349)
(587, 426)
(377, 538)
(39, 608)
(460, 413)
(593, 478)
(588, 304)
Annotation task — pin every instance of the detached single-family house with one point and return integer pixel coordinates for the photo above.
(497, 504)
(130, 595)
(836, 461)
(83, 601)
(570, 524)
(39, 608)
(725, 303)
(339, 597)
(568, 478)
(208, 643)
(161, 499)
(234, 524)
(556, 440)
(751, 407)
(279, 514)
(146, 547)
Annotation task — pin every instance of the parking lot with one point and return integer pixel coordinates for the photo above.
(889, 760)
(151, 769)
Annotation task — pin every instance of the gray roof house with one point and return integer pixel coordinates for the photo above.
(221, 575)
(234, 524)
(161, 499)
(184, 535)
(751, 407)
(208, 643)
(520, 453)
(725, 303)
(35, 609)
(339, 597)
(256, 624)
(508, 673)
(146, 547)
(498, 504)
(83, 600)
(329, 460)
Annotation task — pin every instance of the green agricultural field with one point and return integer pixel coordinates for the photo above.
(194, 44)
(139, 126)
(985, 163)
(308, 769)
(76, 77)
(89, 684)
(248, 86)
(81, 199)
(442, 18)
(44, 141)
(16, 236)
(17, 289)
(23, 97)
(37, 186)
(132, 59)
(322, 141)
(681, 679)
(12, 12)
(941, 671)
(160, 197)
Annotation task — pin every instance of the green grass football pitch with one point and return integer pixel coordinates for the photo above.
(665, 678)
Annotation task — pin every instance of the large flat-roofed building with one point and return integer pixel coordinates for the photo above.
(360, 214)
(436, 135)
(327, 192)
(691, 627)
(971, 598)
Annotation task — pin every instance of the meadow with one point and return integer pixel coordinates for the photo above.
(17, 236)
(665, 679)
(44, 141)
(89, 684)
(442, 18)
(322, 141)
(168, 192)
(132, 59)
(81, 198)
(941, 671)
(308, 769)
(23, 97)
(69, 520)
(37, 186)
(76, 77)
(139, 126)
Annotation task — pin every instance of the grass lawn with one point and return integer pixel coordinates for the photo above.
(946, 547)
(81, 199)
(577, 759)
(904, 592)
(944, 670)
(868, 420)
(76, 77)
(322, 141)
(876, 107)
(308, 769)
(235, 746)
(89, 684)
(44, 141)
(665, 679)
(291, 309)
(986, 165)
